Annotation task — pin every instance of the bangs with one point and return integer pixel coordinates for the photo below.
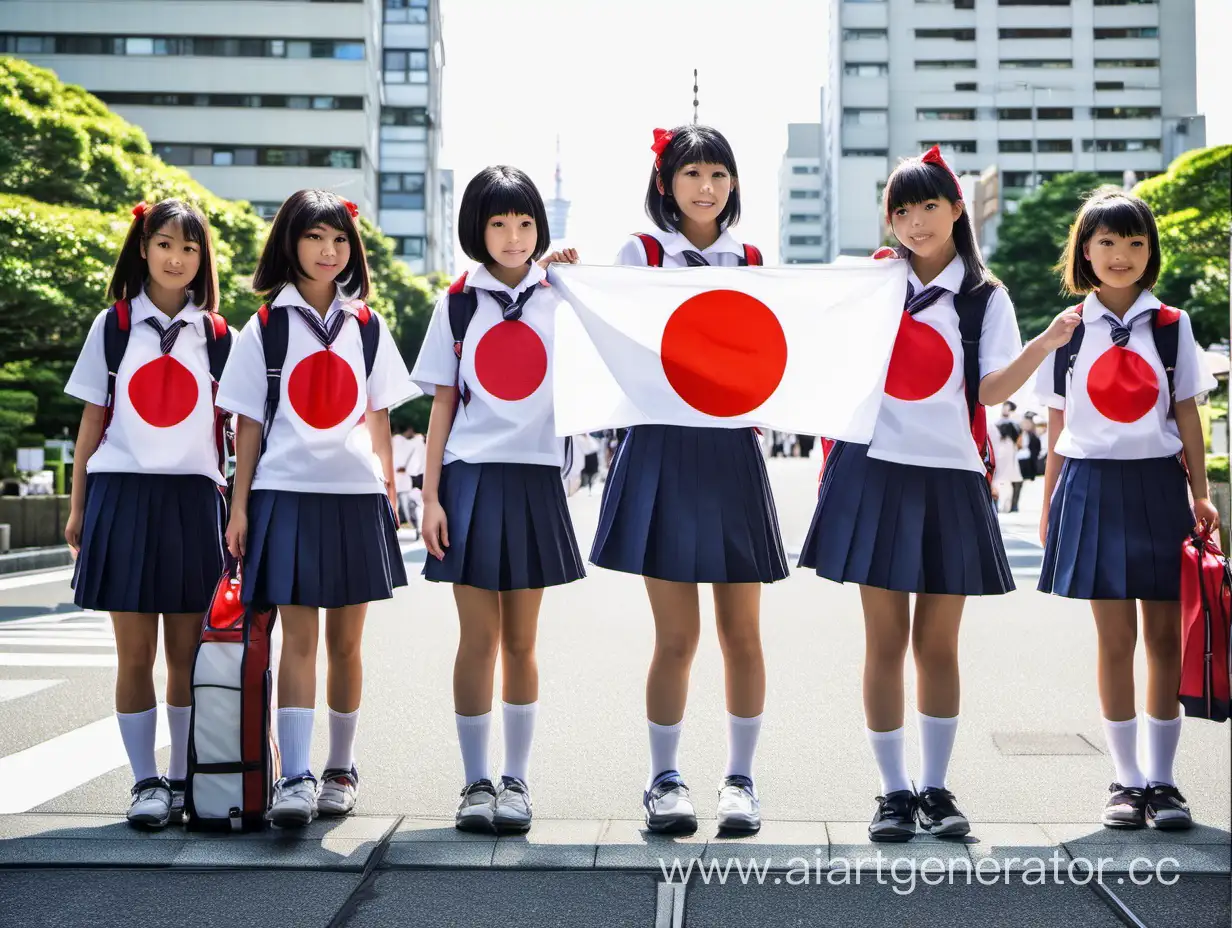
(915, 182)
(176, 213)
(507, 199)
(698, 148)
(1119, 215)
(321, 210)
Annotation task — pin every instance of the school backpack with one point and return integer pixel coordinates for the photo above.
(1206, 629)
(232, 759)
(1164, 329)
(275, 334)
(117, 327)
(654, 252)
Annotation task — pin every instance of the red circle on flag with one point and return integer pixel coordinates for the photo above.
(921, 362)
(1122, 385)
(511, 360)
(164, 392)
(724, 352)
(322, 390)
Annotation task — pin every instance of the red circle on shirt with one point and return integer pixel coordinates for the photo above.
(322, 389)
(1122, 385)
(921, 362)
(164, 392)
(723, 352)
(511, 360)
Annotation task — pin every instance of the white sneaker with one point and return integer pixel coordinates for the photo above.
(151, 805)
(339, 790)
(669, 810)
(739, 808)
(512, 813)
(295, 802)
(477, 807)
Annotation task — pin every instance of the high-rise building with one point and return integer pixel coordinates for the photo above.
(412, 191)
(255, 100)
(1035, 87)
(260, 99)
(558, 206)
(803, 233)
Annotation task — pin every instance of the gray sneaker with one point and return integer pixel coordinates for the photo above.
(477, 807)
(739, 808)
(1126, 807)
(1166, 808)
(151, 805)
(339, 790)
(512, 813)
(295, 802)
(669, 810)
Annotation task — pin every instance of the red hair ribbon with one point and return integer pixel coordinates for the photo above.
(662, 138)
(351, 208)
(933, 156)
(139, 210)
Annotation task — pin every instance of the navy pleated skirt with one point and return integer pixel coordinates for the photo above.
(1116, 528)
(906, 528)
(509, 528)
(327, 550)
(691, 505)
(149, 543)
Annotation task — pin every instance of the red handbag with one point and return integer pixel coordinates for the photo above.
(1206, 629)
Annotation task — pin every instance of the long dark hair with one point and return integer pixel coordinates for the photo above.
(132, 269)
(500, 190)
(1119, 212)
(279, 264)
(690, 145)
(916, 181)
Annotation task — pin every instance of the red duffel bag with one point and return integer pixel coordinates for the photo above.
(1206, 629)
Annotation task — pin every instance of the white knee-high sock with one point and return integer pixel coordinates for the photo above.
(519, 723)
(936, 746)
(295, 740)
(473, 731)
(1162, 738)
(890, 752)
(138, 731)
(1122, 738)
(664, 746)
(342, 726)
(178, 720)
(742, 734)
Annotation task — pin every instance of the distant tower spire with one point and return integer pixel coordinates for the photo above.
(695, 96)
(559, 195)
(558, 206)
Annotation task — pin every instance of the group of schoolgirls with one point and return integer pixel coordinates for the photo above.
(909, 512)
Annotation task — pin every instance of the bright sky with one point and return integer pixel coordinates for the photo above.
(603, 75)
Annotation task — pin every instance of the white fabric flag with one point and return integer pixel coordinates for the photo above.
(798, 349)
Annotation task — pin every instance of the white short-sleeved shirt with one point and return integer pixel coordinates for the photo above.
(315, 444)
(1116, 402)
(507, 367)
(163, 421)
(923, 418)
(725, 252)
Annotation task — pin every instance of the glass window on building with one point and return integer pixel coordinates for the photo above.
(406, 11)
(402, 191)
(404, 116)
(409, 246)
(1007, 146)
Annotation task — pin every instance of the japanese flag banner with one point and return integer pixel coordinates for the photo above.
(797, 349)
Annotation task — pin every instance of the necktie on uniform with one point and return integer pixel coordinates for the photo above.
(511, 309)
(168, 335)
(695, 259)
(324, 334)
(1120, 332)
(918, 302)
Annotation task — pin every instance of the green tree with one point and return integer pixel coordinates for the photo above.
(1029, 244)
(1192, 202)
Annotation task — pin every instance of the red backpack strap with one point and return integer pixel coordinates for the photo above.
(363, 314)
(1167, 335)
(1166, 315)
(263, 314)
(752, 255)
(116, 330)
(458, 285)
(653, 249)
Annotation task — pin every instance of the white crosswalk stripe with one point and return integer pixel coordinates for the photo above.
(58, 639)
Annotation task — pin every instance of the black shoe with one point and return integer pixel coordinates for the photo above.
(1166, 808)
(940, 816)
(1126, 807)
(894, 819)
